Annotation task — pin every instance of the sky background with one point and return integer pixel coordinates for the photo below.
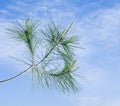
(97, 22)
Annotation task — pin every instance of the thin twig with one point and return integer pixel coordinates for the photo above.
(15, 75)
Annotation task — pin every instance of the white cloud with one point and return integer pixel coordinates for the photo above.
(90, 101)
(102, 27)
(3, 11)
(98, 101)
(101, 34)
(113, 103)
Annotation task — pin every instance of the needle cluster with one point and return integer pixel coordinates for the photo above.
(55, 66)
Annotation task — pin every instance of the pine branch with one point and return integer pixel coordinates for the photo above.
(11, 78)
(60, 46)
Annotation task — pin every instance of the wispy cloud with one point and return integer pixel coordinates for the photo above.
(90, 101)
(3, 11)
(102, 27)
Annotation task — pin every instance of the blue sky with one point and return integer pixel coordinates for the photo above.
(96, 21)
